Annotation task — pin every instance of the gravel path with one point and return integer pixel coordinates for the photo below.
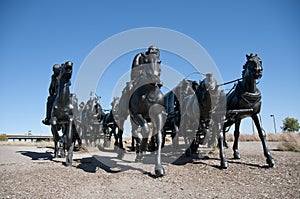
(30, 172)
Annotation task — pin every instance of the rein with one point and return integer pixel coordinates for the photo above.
(231, 81)
(218, 84)
(193, 74)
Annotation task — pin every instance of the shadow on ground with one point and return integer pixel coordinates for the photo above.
(37, 155)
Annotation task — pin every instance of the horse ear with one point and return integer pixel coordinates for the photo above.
(256, 55)
(247, 56)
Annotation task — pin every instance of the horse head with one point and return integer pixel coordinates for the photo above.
(115, 107)
(184, 88)
(253, 67)
(151, 70)
(210, 83)
(208, 94)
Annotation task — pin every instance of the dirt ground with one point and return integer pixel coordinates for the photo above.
(30, 172)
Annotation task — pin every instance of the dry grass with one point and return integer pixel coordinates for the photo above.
(290, 142)
(243, 137)
(22, 143)
(252, 138)
(287, 141)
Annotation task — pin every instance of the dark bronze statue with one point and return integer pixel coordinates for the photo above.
(110, 126)
(144, 101)
(244, 101)
(62, 112)
(197, 112)
(137, 70)
(76, 122)
(173, 102)
(52, 93)
(92, 116)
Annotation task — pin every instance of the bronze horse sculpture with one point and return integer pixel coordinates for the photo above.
(110, 126)
(173, 102)
(181, 91)
(92, 117)
(145, 105)
(62, 113)
(197, 113)
(244, 101)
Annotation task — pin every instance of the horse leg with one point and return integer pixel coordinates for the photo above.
(226, 124)
(107, 136)
(175, 135)
(262, 136)
(164, 134)
(224, 163)
(79, 139)
(152, 143)
(183, 131)
(158, 119)
(120, 139)
(145, 130)
(84, 134)
(76, 136)
(55, 139)
(215, 128)
(159, 170)
(69, 141)
(113, 130)
(136, 137)
(119, 147)
(236, 153)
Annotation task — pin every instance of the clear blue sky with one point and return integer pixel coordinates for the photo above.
(37, 34)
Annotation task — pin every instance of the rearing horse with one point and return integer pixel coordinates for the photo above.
(146, 104)
(62, 112)
(245, 101)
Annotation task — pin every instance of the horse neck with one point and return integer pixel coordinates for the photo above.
(250, 84)
(63, 91)
(182, 91)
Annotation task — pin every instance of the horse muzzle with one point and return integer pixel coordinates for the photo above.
(155, 80)
(258, 75)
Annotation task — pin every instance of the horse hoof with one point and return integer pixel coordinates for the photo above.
(68, 162)
(159, 171)
(224, 165)
(271, 162)
(121, 153)
(139, 158)
(236, 155)
(106, 145)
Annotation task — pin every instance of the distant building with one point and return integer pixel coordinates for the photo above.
(28, 138)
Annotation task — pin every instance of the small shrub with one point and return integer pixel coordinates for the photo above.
(274, 137)
(3, 137)
(290, 142)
